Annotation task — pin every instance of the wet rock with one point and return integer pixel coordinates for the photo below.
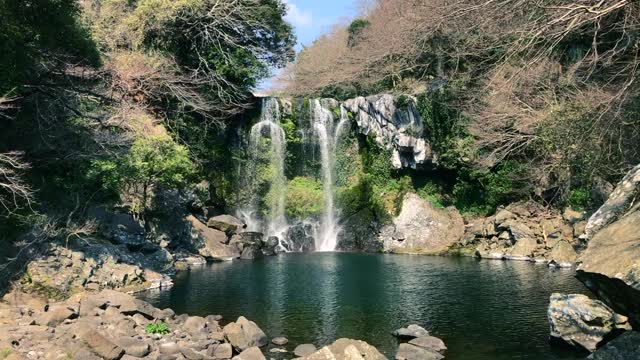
(429, 343)
(251, 252)
(425, 228)
(410, 332)
(412, 352)
(304, 350)
(624, 347)
(300, 237)
(280, 340)
(226, 223)
(582, 322)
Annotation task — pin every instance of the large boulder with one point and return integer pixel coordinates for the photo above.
(396, 124)
(211, 243)
(346, 349)
(226, 223)
(618, 203)
(244, 334)
(422, 228)
(582, 322)
(563, 254)
(524, 249)
(410, 332)
(300, 237)
(610, 266)
(412, 352)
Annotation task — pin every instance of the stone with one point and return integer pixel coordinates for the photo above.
(410, 332)
(524, 249)
(303, 350)
(251, 252)
(226, 223)
(223, 351)
(572, 216)
(618, 203)
(252, 353)
(169, 348)
(426, 229)
(300, 237)
(134, 347)
(563, 254)
(244, 334)
(610, 265)
(429, 343)
(624, 347)
(412, 352)
(355, 349)
(582, 322)
(101, 345)
(280, 341)
(191, 354)
(195, 326)
(56, 315)
(518, 229)
(211, 242)
(503, 216)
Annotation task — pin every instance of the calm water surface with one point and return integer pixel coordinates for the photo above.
(481, 309)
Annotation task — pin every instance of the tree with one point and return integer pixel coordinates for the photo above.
(150, 162)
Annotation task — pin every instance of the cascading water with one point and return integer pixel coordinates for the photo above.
(268, 127)
(328, 137)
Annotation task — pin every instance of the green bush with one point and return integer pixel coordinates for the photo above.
(579, 199)
(304, 198)
(355, 29)
(159, 327)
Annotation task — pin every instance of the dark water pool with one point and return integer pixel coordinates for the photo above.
(481, 309)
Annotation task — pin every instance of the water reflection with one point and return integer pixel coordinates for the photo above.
(481, 309)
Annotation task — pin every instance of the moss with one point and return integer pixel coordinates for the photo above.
(304, 198)
(4, 353)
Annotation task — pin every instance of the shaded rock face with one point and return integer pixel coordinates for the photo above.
(395, 126)
(610, 266)
(582, 322)
(358, 230)
(300, 237)
(624, 347)
(619, 202)
(525, 231)
(422, 228)
(226, 223)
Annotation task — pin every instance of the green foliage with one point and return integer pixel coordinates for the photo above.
(304, 198)
(579, 199)
(355, 29)
(402, 102)
(150, 161)
(433, 193)
(35, 35)
(158, 327)
(4, 353)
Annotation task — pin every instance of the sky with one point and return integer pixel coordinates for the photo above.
(312, 18)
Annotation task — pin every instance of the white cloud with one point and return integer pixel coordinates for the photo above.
(297, 16)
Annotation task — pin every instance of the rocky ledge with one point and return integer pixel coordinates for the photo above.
(113, 325)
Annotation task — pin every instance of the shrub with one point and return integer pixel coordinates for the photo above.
(304, 198)
(159, 327)
(579, 199)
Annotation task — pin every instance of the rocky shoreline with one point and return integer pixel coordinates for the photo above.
(113, 325)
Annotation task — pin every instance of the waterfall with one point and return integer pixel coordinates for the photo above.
(328, 137)
(268, 127)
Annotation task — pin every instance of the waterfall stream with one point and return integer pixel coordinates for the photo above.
(268, 127)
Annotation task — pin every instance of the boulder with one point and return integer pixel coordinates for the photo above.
(252, 353)
(424, 228)
(624, 347)
(244, 334)
(100, 344)
(430, 343)
(410, 332)
(300, 237)
(223, 351)
(211, 243)
(133, 347)
(56, 315)
(195, 326)
(563, 254)
(582, 322)
(226, 223)
(346, 349)
(610, 265)
(524, 248)
(303, 350)
(251, 252)
(618, 203)
(412, 352)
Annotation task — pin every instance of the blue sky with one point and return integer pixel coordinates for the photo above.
(312, 18)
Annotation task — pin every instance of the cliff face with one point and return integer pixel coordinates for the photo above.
(611, 263)
(395, 126)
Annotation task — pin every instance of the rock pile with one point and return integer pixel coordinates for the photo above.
(420, 345)
(526, 231)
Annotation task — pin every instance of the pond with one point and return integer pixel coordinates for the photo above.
(481, 309)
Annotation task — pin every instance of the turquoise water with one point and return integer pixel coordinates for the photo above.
(481, 309)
